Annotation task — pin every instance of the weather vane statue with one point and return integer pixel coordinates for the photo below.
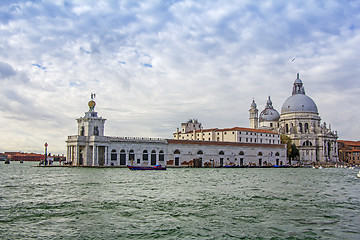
(92, 103)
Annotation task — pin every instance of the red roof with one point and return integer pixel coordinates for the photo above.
(177, 141)
(235, 129)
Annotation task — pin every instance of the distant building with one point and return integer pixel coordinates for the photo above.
(300, 120)
(191, 146)
(349, 152)
(3, 157)
(27, 157)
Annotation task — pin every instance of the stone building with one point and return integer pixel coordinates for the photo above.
(349, 152)
(211, 147)
(300, 120)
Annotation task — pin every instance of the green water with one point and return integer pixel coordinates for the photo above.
(87, 203)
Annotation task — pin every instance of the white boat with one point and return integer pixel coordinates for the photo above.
(358, 175)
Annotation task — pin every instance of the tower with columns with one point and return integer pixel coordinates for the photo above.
(89, 147)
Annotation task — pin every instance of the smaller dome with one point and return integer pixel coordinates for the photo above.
(269, 114)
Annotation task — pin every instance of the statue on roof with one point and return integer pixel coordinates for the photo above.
(92, 103)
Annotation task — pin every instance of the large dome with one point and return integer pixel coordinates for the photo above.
(299, 103)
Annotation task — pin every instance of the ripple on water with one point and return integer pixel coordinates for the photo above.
(76, 203)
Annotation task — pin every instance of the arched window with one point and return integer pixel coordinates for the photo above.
(241, 153)
(82, 131)
(306, 127)
(277, 154)
(287, 128)
(221, 153)
(176, 151)
(300, 128)
(131, 155)
(145, 155)
(161, 155)
(260, 154)
(200, 152)
(113, 155)
(122, 157)
(153, 157)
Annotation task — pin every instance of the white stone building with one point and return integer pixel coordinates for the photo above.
(212, 147)
(300, 121)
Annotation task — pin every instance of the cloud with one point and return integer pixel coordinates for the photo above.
(6, 71)
(154, 64)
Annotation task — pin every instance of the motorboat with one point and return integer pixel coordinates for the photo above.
(157, 167)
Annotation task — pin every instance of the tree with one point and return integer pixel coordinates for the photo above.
(292, 150)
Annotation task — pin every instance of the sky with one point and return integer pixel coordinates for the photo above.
(156, 64)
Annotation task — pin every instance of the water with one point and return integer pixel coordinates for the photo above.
(88, 203)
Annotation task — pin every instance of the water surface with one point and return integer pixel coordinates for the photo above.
(115, 203)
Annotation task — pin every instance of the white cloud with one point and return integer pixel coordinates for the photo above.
(155, 64)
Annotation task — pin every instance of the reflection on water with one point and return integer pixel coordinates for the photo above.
(88, 203)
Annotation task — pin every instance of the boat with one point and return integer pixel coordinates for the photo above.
(157, 167)
(358, 174)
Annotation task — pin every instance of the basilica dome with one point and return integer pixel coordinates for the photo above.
(269, 113)
(298, 102)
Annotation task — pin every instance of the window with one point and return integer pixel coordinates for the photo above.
(200, 152)
(96, 131)
(145, 155)
(122, 157)
(82, 131)
(221, 153)
(161, 155)
(176, 151)
(131, 155)
(153, 157)
(113, 155)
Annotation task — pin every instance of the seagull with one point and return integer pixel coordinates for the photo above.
(293, 59)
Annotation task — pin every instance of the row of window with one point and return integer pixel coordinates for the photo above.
(247, 133)
(161, 153)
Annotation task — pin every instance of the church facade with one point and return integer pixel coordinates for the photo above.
(300, 121)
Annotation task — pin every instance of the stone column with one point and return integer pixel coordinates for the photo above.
(94, 155)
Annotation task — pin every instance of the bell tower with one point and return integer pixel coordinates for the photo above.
(254, 119)
(91, 124)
